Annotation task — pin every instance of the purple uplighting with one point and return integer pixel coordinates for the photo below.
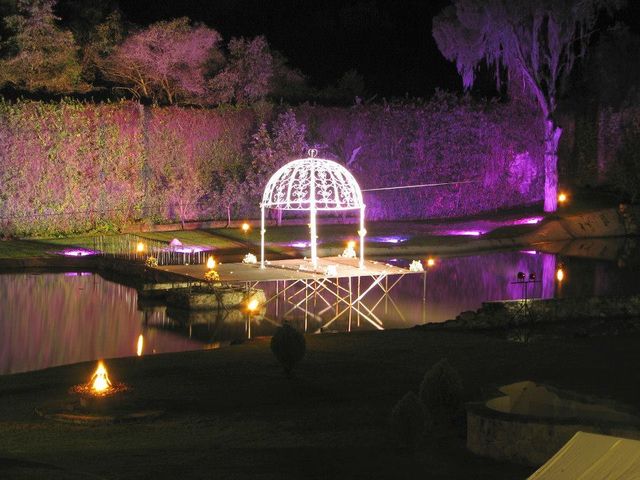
(468, 233)
(389, 239)
(528, 221)
(188, 249)
(299, 244)
(77, 252)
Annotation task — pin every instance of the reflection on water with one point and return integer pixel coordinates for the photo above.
(53, 319)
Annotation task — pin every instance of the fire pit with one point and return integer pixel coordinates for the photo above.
(100, 393)
(99, 401)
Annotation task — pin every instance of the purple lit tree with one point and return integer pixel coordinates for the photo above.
(165, 62)
(533, 42)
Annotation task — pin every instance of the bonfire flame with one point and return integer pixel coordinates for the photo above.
(100, 381)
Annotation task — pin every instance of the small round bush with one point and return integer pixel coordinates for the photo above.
(441, 392)
(288, 346)
(407, 420)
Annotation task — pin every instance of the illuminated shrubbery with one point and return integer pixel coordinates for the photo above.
(73, 167)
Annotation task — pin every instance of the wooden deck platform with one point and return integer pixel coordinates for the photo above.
(292, 269)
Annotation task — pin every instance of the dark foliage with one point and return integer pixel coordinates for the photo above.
(441, 392)
(289, 346)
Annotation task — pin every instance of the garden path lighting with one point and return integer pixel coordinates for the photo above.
(140, 345)
(560, 273)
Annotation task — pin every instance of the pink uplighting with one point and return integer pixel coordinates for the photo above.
(77, 252)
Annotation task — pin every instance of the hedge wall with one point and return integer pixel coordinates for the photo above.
(72, 167)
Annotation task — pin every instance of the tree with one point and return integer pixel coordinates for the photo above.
(101, 42)
(39, 55)
(165, 62)
(248, 74)
(271, 150)
(536, 43)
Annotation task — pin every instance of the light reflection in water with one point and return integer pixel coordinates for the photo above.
(54, 319)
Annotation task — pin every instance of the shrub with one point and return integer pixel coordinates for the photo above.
(441, 392)
(407, 420)
(288, 346)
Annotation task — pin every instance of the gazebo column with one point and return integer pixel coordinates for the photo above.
(262, 232)
(362, 232)
(314, 235)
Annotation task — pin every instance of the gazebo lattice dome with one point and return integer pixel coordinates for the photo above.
(313, 184)
(332, 186)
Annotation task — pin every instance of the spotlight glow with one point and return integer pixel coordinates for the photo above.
(253, 305)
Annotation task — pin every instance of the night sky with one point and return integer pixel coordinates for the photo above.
(388, 42)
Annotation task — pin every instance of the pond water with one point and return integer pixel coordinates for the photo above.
(51, 319)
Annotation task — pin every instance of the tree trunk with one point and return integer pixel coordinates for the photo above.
(552, 134)
(228, 216)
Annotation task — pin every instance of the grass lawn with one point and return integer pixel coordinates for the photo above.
(231, 413)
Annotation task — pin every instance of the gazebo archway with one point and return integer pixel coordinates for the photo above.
(316, 185)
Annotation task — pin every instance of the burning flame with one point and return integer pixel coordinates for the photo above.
(560, 274)
(211, 263)
(140, 247)
(140, 345)
(100, 380)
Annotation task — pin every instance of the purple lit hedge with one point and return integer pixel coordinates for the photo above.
(72, 167)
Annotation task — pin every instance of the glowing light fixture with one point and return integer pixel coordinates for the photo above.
(560, 274)
(245, 227)
(140, 247)
(351, 244)
(253, 304)
(313, 184)
(562, 197)
(100, 381)
(211, 263)
(431, 262)
(139, 345)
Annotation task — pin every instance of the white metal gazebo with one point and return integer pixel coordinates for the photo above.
(313, 184)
